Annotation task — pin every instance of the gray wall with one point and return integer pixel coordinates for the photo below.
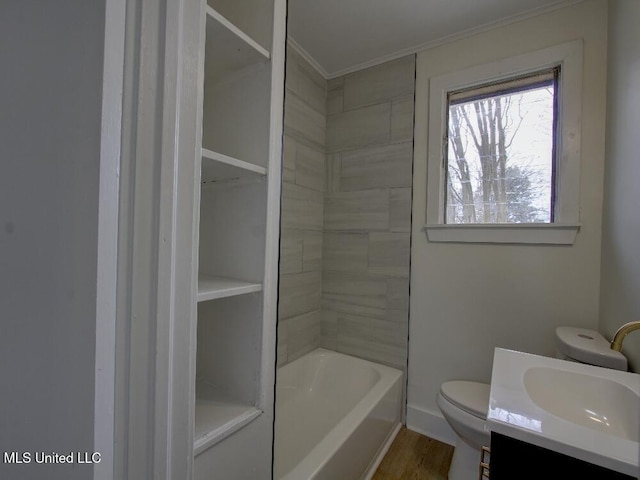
(620, 284)
(472, 298)
(50, 102)
(367, 213)
(302, 210)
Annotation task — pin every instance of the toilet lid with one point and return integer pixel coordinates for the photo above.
(472, 397)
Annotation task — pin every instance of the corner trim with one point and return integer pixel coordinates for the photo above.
(106, 351)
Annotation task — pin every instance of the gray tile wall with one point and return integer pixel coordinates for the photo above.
(346, 212)
(367, 212)
(304, 179)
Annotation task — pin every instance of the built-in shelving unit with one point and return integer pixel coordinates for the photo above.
(239, 162)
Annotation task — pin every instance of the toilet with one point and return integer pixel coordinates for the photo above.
(464, 404)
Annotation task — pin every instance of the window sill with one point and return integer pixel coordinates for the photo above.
(517, 233)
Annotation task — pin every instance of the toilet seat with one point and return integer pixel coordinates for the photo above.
(471, 397)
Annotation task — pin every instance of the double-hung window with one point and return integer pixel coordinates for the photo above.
(504, 150)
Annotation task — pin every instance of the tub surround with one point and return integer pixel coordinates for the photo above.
(344, 268)
(303, 185)
(367, 212)
(346, 216)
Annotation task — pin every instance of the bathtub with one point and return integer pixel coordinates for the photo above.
(335, 416)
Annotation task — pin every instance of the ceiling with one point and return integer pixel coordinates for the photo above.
(345, 35)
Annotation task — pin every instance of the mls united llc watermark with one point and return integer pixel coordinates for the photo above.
(51, 458)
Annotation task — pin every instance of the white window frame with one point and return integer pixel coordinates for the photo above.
(565, 227)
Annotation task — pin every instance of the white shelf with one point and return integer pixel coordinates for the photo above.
(217, 167)
(211, 288)
(228, 48)
(217, 417)
(240, 93)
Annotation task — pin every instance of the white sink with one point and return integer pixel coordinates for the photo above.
(586, 412)
(594, 402)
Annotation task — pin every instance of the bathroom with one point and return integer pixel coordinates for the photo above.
(357, 273)
(472, 297)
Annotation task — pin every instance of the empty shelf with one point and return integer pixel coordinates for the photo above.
(210, 287)
(217, 167)
(217, 417)
(228, 48)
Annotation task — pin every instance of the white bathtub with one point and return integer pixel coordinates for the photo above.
(335, 416)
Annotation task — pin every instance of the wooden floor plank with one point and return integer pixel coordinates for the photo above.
(413, 456)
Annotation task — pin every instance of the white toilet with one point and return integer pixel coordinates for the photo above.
(464, 404)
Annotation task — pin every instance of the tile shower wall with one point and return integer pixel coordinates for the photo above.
(367, 213)
(299, 317)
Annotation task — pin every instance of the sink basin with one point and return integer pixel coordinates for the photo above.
(594, 402)
(583, 411)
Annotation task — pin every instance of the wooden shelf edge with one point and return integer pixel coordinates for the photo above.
(215, 15)
(227, 287)
(223, 431)
(234, 162)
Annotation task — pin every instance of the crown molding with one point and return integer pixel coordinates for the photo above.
(304, 54)
(433, 43)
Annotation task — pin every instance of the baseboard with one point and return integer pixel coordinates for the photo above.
(431, 424)
(375, 463)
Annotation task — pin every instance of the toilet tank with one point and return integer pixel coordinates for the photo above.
(587, 346)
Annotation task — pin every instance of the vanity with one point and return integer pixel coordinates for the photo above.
(558, 419)
(509, 455)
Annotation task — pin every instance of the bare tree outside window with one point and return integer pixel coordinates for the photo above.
(500, 155)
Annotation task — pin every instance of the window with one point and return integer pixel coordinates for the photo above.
(500, 153)
(504, 145)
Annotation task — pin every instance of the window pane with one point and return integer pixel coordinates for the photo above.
(500, 157)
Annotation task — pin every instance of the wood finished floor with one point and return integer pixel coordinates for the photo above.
(415, 457)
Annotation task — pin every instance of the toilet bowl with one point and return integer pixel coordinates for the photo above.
(464, 406)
